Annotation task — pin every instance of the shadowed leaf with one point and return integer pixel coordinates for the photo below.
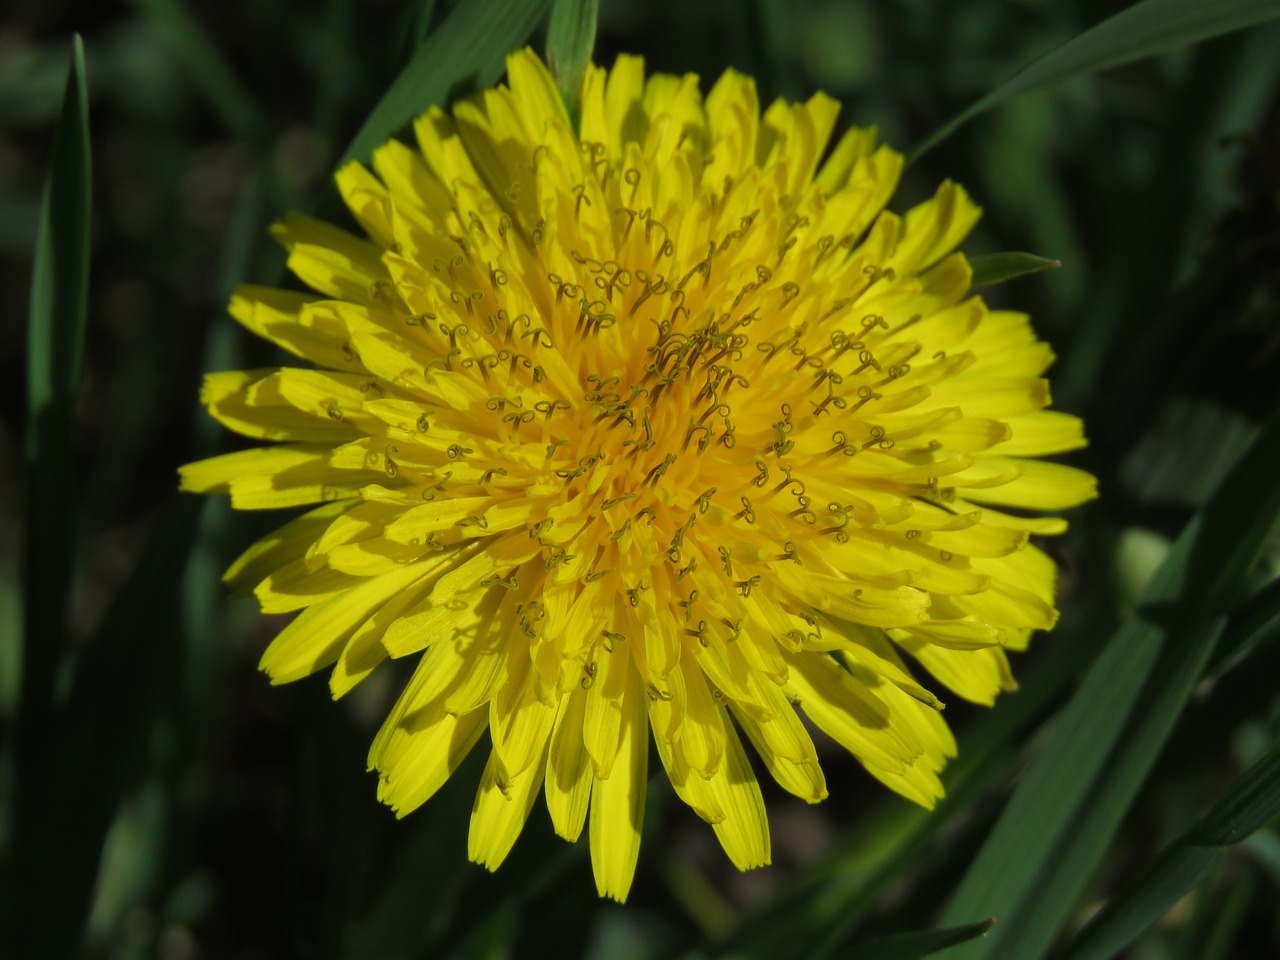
(1058, 823)
(571, 35)
(1252, 802)
(1143, 30)
(910, 946)
(468, 48)
(993, 268)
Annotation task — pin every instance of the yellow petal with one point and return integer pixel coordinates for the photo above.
(702, 733)
(804, 780)
(301, 584)
(935, 228)
(367, 200)
(617, 802)
(250, 403)
(536, 92)
(266, 478)
(426, 758)
(500, 810)
(330, 260)
(364, 651)
(610, 677)
(283, 545)
(1042, 433)
(1038, 486)
(977, 675)
(744, 831)
(847, 711)
(275, 316)
(568, 777)
(519, 720)
(315, 637)
(783, 735)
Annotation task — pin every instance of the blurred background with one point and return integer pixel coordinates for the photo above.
(189, 810)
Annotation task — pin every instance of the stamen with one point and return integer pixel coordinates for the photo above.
(726, 557)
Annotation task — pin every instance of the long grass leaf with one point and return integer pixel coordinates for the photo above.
(912, 946)
(414, 23)
(94, 743)
(468, 48)
(1035, 924)
(1142, 30)
(1225, 88)
(215, 79)
(1223, 917)
(1183, 607)
(55, 347)
(993, 268)
(1255, 625)
(1248, 805)
(571, 35)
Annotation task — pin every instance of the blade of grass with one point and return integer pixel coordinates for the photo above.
(993, 268)
(137, 865)
(55, 348)
(203, 592)
(414, 22)
(468, 48)
(1250, 803)
(422, 889)
(1057, 888)
(92, 746)
(236, 106)
(571, 35)
(1226, 88)
(1253, 626)
(1183, 606)
(1142, 30)
(1224, 916)
(911, 946)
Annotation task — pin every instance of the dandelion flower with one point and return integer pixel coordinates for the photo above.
(660, 429)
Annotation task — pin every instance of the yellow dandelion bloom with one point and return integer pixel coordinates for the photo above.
(660, 429)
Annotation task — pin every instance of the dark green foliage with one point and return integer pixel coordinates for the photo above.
(158, 798)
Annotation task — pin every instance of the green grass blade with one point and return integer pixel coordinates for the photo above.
(1142, 30)
(571, 36)
(414, 24)
(1183, 607)
(236, 106)
(1255, 625)
(93, 745)
(55, 348)
(468, 48)
(1224, 917)
(911, 946)
(422, 881)
(993, 268)
(1225, 88)
(1034, 925)
(1249, 804)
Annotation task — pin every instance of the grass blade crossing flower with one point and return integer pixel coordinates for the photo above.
(661, 429)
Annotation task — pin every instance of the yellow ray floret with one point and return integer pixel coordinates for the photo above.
(661, 429)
